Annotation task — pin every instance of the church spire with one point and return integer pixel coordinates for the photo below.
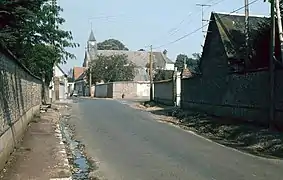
(91, 36)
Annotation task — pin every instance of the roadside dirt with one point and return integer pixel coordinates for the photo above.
(246, 137)
(40, 155)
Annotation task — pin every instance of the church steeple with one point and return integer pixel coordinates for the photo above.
(91, 53)
(91, 36)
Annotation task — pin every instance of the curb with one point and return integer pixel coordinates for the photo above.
(62, 152)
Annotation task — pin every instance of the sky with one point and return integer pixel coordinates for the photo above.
(139, 24)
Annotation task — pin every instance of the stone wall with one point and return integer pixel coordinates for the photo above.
(164, 92)
(238, 96)
(20, 98)
(131, 90)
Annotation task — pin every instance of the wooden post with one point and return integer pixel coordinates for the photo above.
(271, 65)
(90, 81)
(247, 32)
(150, 74)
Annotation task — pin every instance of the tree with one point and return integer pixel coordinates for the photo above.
(161, 75)
(165, 52)
(32, 29)
(111, 44)
(41, 59)
(196, 56)
(112, 68)
(192, 63)
(179, 63)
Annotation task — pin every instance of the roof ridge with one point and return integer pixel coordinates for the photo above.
(241, 14)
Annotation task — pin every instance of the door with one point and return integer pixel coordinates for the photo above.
(61, 91)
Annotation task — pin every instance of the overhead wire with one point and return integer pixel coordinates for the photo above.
(200, 28)
(214, 4)
(176, 29)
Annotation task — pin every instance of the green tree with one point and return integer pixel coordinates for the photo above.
(192, 63)
(111, 44)
(179, 63)
(33, 30)
(112, 68)
(161, 75)
(196, 56)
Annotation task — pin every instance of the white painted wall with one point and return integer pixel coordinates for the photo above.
(58, 72)
(143, 89)
(169, 66)
(178, 89)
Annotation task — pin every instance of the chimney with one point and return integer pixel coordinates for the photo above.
(165, 52)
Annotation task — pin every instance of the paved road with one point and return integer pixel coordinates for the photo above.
(131, 145)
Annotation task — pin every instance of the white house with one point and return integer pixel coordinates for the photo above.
(59, 84)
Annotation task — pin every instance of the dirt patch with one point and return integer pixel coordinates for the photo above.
(247, 137)
(37, 156)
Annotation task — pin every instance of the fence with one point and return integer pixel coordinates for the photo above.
(237, 96)
(128, 88)
(20, 98)
(164, 92)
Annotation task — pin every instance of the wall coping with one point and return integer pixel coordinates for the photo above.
(117, 82)
(163, 81)
(12, 57)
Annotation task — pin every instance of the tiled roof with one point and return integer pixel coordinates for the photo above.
(140, 58)
(186, 73)
(232, 31)
(82, 76)
(78, 71)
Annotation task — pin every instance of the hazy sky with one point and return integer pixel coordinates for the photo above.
(140, 23)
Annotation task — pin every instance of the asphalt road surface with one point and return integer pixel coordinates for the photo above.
(130, 145)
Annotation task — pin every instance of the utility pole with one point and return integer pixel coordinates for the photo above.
(54, 3)
(90, 81)
(279, 22)
(271, 64)
(247, 13)
(202, 16)
(150, 74)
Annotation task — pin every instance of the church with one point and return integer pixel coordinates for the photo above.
(139, 58)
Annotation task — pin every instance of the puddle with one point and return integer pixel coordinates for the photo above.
(80, 166)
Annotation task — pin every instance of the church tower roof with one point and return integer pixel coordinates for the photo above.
(91, 36)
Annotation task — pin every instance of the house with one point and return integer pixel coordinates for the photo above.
(224, 50)
(139, 58)
(79, 75)
(231, 86)
(59, 84)
(81, 84)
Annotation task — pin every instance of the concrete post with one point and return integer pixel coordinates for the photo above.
(178, 89)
